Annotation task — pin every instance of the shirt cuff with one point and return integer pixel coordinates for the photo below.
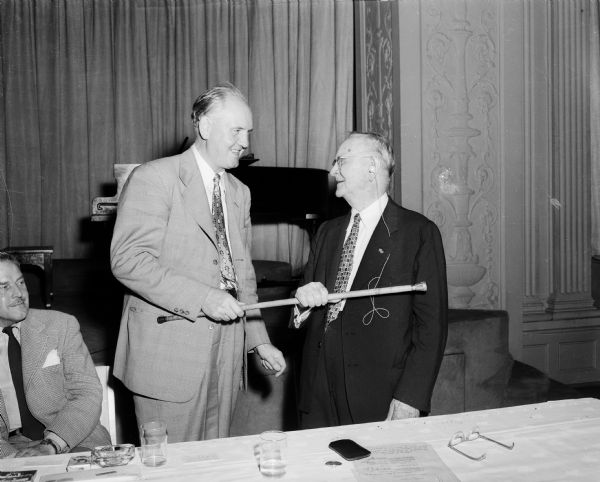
(61, 444)
(300, 317)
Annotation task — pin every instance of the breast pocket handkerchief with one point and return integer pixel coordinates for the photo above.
(52, 359)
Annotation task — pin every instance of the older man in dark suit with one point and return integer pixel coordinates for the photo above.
(50, 395)
(368, 359)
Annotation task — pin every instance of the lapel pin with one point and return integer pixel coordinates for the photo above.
(380, 251)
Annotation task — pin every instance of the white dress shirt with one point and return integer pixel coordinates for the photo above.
(208, 179)
(6, 383)
(369, 218)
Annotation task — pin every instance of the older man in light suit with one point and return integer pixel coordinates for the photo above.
(181, 244)
(50, 395)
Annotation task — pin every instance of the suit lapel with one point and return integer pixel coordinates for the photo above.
(194, 194)
(335, 245)
(234, 211)
(35, 345)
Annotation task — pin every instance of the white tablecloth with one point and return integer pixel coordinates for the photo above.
(553, 441)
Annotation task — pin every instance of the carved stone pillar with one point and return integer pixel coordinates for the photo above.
(460, 112)
(570, 196)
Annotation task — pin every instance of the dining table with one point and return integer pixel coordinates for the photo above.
(551, 441)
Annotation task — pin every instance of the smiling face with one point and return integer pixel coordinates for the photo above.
(14, 298)
(354, 170)
(226, 132)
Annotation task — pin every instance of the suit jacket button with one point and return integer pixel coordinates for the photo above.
(320, 344)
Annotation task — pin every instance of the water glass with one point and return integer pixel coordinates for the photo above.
(273, 446)
(153, 448)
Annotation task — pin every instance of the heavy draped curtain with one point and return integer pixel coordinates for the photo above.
(90, 83)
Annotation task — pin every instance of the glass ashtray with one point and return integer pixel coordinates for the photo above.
(113, 455)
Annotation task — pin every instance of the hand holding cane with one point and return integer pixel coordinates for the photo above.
(331, 298)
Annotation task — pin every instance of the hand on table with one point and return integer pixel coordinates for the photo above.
(35, 449)
(399, 411)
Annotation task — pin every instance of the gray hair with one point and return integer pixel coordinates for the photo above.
(381, 146)
(209, 99)
(9, 258)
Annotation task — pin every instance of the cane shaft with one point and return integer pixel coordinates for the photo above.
(331, 298)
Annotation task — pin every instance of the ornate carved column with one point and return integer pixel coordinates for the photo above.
(460, 91)
(570, 196)
(447, 161)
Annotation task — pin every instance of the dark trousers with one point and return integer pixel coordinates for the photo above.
(329, 404)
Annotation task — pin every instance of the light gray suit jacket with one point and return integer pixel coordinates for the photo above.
(66, 397)
(165, 251)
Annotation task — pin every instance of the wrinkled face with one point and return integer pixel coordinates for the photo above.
(226, 129)
(14, 298)
(351, 168)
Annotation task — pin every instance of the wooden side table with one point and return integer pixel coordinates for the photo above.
(40, 257)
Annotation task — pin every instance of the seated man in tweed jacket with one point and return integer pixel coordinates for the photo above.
(50, 395)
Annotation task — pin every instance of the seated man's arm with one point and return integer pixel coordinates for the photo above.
(83, 392)
(6, 449)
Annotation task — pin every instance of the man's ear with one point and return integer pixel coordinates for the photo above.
(204, 125)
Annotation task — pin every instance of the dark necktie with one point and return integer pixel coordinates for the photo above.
(344, 270)
(225, 261)
(30, 426)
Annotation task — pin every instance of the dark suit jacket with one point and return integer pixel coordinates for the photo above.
(394, 357)
(61, 385)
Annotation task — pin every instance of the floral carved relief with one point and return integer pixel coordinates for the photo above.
(460, 100)
(379, 68)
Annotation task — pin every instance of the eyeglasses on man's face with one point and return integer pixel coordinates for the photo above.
(474, 434)
(339, 161)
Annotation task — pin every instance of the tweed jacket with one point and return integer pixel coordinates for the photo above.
(61, 386)
(165, 251)
(392, 344)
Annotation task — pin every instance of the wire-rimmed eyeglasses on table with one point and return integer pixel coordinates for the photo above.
(474, 434)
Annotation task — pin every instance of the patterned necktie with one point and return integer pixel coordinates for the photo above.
(344, 270)
(225, 261)
(30, 426)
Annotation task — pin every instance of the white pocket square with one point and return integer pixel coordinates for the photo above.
(52, 359)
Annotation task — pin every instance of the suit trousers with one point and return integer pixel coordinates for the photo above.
(329, 404)
(196, 419)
